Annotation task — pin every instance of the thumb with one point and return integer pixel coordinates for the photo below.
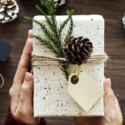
(108, 90)
(26, 92)
(109, 97)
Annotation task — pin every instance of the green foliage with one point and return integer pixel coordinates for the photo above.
(53, 41)
(47, 44)
(70, 30)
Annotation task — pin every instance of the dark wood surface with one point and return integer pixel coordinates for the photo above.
(15, 33)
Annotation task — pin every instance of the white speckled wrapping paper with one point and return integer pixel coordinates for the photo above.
(51, 98)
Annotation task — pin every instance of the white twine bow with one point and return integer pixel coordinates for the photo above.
(2, 81)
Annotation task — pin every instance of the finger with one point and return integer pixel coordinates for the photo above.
(117, 106)
(24, 62)
(30, 33)
(104, 81)
(109, 98)
(25, 107)
(108, 90)
(118, 109)
(26, 92)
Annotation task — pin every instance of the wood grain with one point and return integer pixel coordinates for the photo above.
(15, 33)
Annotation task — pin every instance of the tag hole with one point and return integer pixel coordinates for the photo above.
(74, 79)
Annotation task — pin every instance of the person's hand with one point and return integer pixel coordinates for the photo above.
(21, 92)
(112, 111)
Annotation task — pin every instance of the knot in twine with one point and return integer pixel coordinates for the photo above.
(38, 60)
(2, 81)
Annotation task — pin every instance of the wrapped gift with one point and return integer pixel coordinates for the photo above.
(51, 98)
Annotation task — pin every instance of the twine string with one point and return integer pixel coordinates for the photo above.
(2, 81)
(78, 73)
(38, 60)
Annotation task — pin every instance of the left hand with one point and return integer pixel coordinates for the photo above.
(21, 92)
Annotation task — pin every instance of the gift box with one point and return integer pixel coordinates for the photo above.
(51, 98)
(5, 49)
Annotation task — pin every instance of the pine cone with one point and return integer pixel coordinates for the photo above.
(8, 10)
(59, 3)
(77, 50)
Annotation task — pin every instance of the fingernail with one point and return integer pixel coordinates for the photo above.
(27, 77)
(29, 31)
(108, 82)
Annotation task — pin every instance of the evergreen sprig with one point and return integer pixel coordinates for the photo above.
(47, 44)
(53, 41)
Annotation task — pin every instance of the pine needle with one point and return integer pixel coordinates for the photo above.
(70, 29)
(53, 41)
(47, 44)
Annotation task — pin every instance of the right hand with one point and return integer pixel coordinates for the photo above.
(113, 115)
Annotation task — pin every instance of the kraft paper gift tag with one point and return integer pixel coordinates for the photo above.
(51, 98)
(84, 90)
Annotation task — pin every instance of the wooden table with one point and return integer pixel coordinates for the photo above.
(15, 33)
